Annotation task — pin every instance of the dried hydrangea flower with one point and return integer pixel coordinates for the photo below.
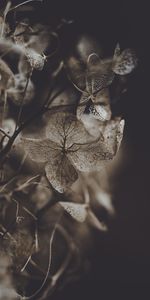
(69, 147)
(94, 79)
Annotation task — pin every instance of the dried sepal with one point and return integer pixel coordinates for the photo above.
(70, 146)
(124, 63)
(89, 157)
(39, 150)
(77, 211)
(61, 173)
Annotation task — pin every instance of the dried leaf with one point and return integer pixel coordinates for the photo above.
(76, 210)
(100, 109)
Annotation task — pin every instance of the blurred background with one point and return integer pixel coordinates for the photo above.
(121, 258)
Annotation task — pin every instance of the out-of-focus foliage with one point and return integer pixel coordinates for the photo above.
(58, 136)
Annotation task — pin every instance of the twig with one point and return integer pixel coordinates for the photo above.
(64, 265)
(48, 269)
(4, 17)
(23, 268)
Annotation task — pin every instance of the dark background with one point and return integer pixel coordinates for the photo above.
(120, 260)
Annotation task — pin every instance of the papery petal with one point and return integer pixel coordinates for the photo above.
(100, 112)
(60, 172)
(76, 73)
(89, 157)
(125, 63)
(99, 75)
(76, 210)
(40, 150)
(35, 59)
(65, 127)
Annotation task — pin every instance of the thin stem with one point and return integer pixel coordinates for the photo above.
(40, 112)
(23, 98)
(23, 268)
(48, 269)
(24, 3)
(4, 18)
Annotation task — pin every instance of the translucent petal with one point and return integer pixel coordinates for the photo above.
(65, 129)
(40, 150)
(89, 157)
(125, 62)
(76, 73)
(61, 173)
(99, 76)
(35, 59)
(76, 210)
(100, 112)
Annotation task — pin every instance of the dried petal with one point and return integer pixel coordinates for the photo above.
(40, 150)
(125, 63)
(65, 127)
(36, 60)
(76, 72)
(76, 210)
(100, 112)
(60, 172)
(99, 74)
(90, 156)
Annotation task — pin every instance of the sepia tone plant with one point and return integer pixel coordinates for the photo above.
(58, 136)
